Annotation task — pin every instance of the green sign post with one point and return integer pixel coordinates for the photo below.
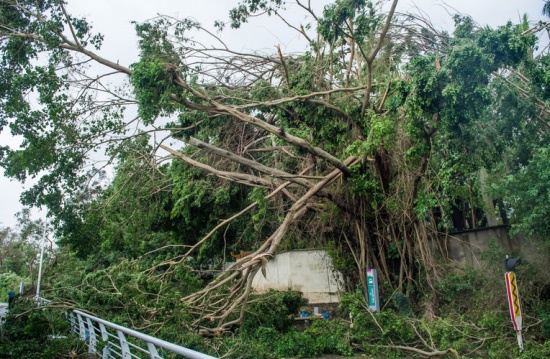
(372, 288)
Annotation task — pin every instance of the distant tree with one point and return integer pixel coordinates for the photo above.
(546, 8)
(7, 237)
(20, 248)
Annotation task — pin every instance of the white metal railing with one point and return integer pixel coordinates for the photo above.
(41, 301)
(3, 312)
(114, 340)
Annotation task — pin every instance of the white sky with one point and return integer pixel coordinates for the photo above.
(112, 18)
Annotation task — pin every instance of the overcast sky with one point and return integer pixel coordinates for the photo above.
(112, 18)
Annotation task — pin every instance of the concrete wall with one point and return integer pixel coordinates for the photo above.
(466, 246)
(311, 271)
(307, 271)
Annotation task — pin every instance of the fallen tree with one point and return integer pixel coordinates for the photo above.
(354, 134)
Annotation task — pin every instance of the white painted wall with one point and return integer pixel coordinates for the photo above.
(307, 271)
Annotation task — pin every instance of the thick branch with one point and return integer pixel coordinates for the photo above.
(235, 176)
(252, 263)
(280, 132)
(308, 96)
(373, 54)
(250, 163)
(275, 239)
(434, 353)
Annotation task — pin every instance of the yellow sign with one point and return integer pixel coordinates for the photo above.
(514, 294)
(513, 304)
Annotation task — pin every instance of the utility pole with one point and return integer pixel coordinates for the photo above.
(41, 259)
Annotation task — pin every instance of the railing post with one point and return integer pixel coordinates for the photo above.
(105, 338)
(124, 345)
(153, 351)
(72, 320)
(81, 328)
(93, 336)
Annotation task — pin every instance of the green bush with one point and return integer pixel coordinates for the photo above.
(273, 309)
(29, 333)
(546, 328)
(296, 344)
(534, 350)
(455, 287)
(331, 336)
(269, 328)
(8, 281)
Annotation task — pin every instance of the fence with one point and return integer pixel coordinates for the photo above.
(114, 342)
(41, 301)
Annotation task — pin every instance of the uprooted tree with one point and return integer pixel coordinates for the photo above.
(369, 140)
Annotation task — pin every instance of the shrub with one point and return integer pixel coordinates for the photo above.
(273, 309)
(29, 333)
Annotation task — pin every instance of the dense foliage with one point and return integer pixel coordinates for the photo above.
(30, 333)
(376, 141)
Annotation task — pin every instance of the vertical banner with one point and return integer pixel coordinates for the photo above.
(372, 288)
(514, 305)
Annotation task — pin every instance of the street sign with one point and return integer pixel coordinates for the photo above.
(372, 288)
(514, 305)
